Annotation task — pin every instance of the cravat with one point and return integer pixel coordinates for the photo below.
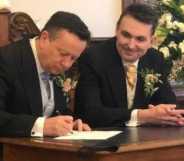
(46, 77)
(48, 102)
(131, 75)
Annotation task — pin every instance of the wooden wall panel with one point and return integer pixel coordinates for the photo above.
(4, 27)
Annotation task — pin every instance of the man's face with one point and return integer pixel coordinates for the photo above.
(57, 55)
(134, 38)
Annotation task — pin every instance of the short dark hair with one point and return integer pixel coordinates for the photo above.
(68, 21)
(143, 13)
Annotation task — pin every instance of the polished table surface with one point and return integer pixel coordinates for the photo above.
(135, 144)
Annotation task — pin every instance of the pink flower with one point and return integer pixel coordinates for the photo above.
(67, 85)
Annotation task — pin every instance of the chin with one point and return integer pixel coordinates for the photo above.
(54, 72)
(59, 72)
(130, 59)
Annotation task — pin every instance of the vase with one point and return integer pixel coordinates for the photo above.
(178, 89)
(177, 84)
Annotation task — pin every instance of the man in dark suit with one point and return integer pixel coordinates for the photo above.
(107, 95)
(29, 100)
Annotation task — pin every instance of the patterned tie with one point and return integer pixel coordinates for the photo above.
(131, 75)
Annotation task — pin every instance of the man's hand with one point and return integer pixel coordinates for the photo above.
(166, 114)
(59, 125)
(62, 125)
(80, 126)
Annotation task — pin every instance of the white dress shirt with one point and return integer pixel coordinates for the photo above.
(37, 129)
(130, 97)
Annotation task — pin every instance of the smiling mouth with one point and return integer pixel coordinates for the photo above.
(130, 53)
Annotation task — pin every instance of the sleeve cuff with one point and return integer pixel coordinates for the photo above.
(133, 122)
(37, 130)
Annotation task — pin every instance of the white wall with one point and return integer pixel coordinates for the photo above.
(99, 15)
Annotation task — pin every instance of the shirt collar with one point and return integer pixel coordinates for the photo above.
(125, 63)
(35, 53)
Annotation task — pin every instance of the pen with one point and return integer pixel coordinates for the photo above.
(58, 112)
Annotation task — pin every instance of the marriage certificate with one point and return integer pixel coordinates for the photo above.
(88, 135)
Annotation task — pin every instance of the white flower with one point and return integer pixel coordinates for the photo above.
(171, 31)
(182, 8)
(151, 80)
(178, 25)
(166, 2)
(5, 4)
(171, 25)
(175, 24)
(67, 85)
(181, 46)
(166, 21)
(173, 45)
(166, 18)
(164, 51)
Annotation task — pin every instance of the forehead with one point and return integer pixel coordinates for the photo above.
(134, 27)
(69, 42)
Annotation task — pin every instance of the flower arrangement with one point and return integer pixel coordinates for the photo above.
(170, 36)
(67, 84)
(151, 80)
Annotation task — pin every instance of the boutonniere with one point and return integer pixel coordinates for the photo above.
(66, 84)
(151, 79)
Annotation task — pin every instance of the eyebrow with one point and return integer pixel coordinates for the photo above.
(62, 51)
(130, 35)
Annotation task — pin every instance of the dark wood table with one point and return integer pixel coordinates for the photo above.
(136, 144)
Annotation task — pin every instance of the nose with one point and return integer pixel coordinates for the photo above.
(67, 63)
(132, 43)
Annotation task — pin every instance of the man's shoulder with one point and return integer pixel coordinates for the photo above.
(102, 46)
(153, 60)
(101, 51)
(102, 55)
(12, 54)
(153, 55)
(12, 49)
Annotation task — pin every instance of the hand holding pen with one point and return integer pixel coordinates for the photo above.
(58, 125)
(62, 125)
(78, 124)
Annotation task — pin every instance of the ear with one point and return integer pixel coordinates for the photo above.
(44, 35)
(43, 39)
(153, 40)
(116, 30)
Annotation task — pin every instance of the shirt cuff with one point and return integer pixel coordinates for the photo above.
(133, 122)
(37, 130)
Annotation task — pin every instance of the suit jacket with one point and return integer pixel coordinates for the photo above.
(101, 95)
(20, 94)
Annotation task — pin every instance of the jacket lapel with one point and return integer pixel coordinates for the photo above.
(60, 100)
(30, 80)
(140, 98)
(117, 79)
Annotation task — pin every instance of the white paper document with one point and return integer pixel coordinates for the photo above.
(88, 135)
